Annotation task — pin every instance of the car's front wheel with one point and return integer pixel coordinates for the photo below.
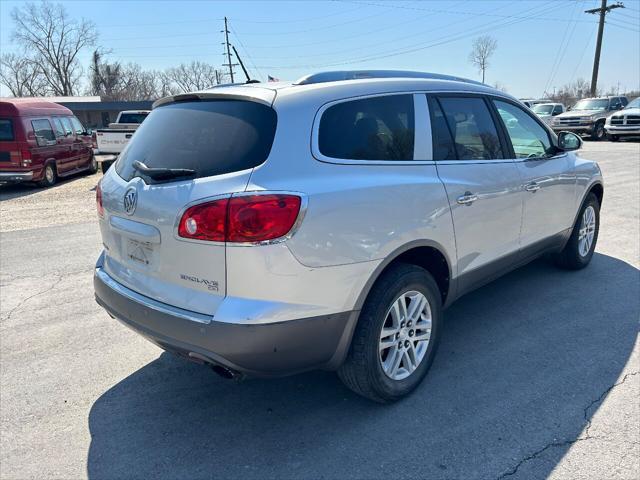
(395, 340)
(579, 249)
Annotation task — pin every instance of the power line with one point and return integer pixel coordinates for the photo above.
(246, 51)
(419, 46)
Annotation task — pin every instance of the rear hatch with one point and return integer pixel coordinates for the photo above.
(212, 146)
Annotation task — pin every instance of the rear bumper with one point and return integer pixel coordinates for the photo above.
(264, 350)
(16, 176)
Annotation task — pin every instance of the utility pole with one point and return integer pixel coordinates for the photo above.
(226, 42)
(246, 74)
(603, 10)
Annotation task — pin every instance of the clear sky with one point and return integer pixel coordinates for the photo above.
(541, 43)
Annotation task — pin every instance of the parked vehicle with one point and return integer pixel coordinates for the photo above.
(624, 124)
(41, 141)
(271, 229)
(531, 102)
(588, 116)
(546, 111)
(111, 141)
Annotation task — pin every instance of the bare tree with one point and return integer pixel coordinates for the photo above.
(482, 49)
(194, 76)
(46, 31)
(500, 86)
(22, 76)
(105, 78)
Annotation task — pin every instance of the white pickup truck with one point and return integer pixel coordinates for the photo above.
(112, 140)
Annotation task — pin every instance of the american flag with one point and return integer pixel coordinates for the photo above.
(272, 79)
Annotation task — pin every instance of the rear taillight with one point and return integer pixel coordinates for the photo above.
(243, 219)
(21, 157)
(94, 140)
(99, 200)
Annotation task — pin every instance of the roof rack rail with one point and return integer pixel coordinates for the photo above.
(336, 76)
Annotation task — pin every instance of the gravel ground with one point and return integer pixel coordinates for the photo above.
(537, 374)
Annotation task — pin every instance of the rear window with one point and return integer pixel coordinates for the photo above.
(132, 117)
(378, 128)
(210, 137)
(6, 130)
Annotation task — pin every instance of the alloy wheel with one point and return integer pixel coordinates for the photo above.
(405, 335)
(587, 231)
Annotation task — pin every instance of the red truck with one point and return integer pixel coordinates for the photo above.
(42, 141)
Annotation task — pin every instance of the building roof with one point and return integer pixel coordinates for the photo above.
(107, 106)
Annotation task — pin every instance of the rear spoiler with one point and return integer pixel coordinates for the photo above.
(262, 95)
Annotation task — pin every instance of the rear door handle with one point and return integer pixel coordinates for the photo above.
(467, 199)
(532, 187)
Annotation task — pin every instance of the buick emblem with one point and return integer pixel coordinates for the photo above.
(130, 201)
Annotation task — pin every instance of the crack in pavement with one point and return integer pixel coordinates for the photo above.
(12, 279)
(565, 443)
(22, 302)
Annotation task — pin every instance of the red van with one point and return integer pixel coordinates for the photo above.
(41, 141)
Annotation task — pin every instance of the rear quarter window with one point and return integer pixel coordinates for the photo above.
(210, 137)
(6, 130)
(377, 128)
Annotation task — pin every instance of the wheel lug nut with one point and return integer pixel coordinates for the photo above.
(409, 323)
(401, 324)
(399, 344)
(397, 335)
(411, 333)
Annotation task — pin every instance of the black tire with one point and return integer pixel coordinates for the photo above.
(612, 138)
(93, 165)
(570, 257)
(50, 176)
(598, 131)
(362, 370)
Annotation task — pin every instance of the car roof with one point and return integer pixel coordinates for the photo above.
(328, 86)
(31, 106)
(135, 111)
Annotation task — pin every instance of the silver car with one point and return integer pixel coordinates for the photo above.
(270, 229)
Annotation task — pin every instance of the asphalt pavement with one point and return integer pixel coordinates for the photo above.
(537, 376)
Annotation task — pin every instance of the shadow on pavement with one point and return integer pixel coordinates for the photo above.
(9, 191)
(519, 363)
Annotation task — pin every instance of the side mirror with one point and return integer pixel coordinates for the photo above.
(568, 141)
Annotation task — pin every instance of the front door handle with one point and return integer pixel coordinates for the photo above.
(467, 199)
(532, 187)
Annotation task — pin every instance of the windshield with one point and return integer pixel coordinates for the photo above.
(597, 104)
(543, 108)
(132, 117)
(634, 103)
(208, 137)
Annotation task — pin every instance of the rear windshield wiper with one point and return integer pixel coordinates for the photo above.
(162, 173)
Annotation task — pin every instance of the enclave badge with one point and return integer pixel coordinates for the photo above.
(130, 201)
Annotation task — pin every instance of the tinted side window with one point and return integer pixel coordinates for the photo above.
(67, 125)
(57, 125)
(528, 137)
(557, 110)
(379, 128)
(615, 104)
(77, 126)
(474, 133)
(6, 130)
(42, 128)
(443, 146)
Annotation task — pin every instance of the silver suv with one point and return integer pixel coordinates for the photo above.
(269, 229)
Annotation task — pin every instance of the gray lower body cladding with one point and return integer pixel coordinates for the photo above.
(263, 350)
